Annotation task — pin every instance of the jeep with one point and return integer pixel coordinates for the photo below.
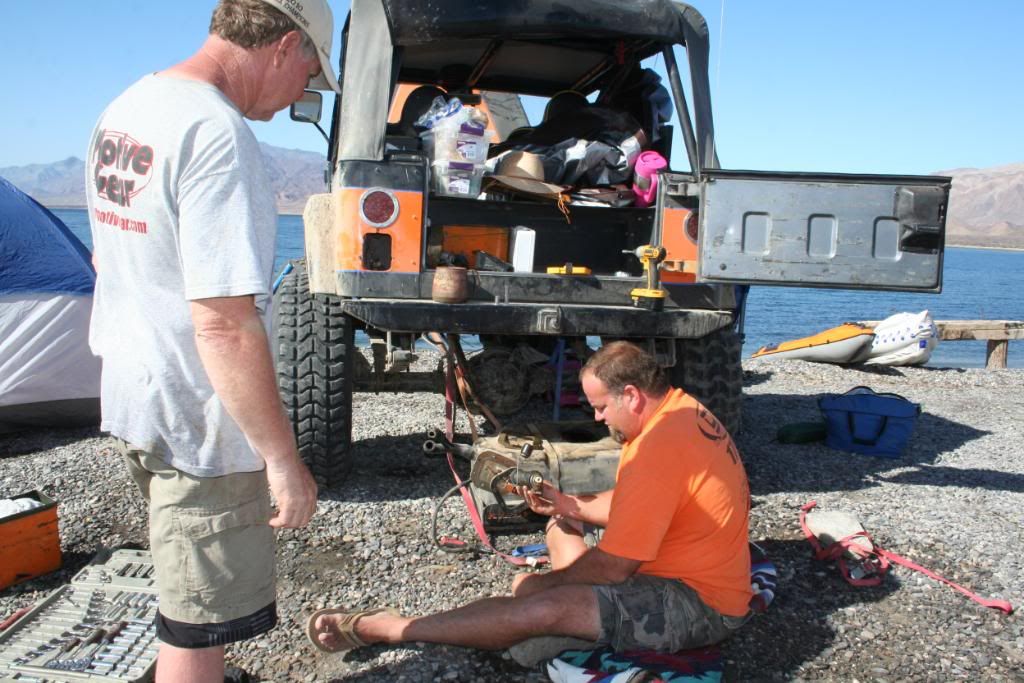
(376, 240)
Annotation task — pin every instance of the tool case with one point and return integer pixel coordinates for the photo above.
(100, 626)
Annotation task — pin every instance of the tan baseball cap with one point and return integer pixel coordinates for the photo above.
(316, 19)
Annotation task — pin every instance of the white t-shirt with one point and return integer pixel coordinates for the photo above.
(181, 209)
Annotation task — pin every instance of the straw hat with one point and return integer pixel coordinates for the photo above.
(524, 172)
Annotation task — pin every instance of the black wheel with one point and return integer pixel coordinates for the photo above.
(709, 369)
(313, 342)
(500, 380)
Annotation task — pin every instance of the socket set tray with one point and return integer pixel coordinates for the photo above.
(100, 626)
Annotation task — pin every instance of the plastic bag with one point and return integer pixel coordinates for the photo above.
(450, 113)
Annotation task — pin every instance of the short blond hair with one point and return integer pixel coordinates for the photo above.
(254, 23)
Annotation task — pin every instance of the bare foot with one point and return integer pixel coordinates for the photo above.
(339, 631)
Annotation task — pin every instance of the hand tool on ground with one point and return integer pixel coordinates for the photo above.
(38, 651)
(106, 638)
(651, 297)
(55, 661)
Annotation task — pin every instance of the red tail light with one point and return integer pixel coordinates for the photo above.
(691, 226)
(378, 207)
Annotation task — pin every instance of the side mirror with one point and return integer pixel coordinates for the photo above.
(307, 108)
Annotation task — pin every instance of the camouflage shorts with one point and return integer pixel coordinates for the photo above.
(652, 613)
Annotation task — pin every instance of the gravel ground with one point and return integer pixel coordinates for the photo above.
(953, 503)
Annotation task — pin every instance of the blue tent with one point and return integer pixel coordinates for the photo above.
(48, 376)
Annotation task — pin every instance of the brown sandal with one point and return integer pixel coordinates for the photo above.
(345, 630)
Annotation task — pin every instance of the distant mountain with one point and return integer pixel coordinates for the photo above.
(60, 184)
(294, 175)
(986, 206)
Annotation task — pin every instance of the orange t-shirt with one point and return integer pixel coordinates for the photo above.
(681, 504)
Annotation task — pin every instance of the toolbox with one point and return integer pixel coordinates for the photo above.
(100, 626)
(29, 542)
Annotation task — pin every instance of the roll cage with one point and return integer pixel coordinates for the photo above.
(534, 47)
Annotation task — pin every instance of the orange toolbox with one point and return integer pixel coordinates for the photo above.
(469, 239)
(29, 542)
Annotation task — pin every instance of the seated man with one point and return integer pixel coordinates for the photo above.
(672, 568)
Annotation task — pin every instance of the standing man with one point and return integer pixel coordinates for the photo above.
(184, 227)
(672, 569)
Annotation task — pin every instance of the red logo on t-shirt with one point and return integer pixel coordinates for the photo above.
(122, 166)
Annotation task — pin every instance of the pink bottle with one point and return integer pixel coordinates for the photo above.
(645, 177)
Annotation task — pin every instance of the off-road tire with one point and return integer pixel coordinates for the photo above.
(313, 344)
(709, 369)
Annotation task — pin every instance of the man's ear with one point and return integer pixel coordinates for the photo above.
(633, 398)
(285, 44)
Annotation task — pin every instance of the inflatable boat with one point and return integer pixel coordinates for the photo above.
(848, 343)
(904, 339)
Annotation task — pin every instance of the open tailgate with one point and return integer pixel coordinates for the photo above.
(823, 230)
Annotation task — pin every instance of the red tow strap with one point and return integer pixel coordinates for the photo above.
(878, 560)
(451, 390)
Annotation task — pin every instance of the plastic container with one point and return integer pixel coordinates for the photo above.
(456, 179)
(464, 143)
(645, 179)
(523, 241)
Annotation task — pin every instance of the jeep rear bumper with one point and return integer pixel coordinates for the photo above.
(531, 288)
(399, 315)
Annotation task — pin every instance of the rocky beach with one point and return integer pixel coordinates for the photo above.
(954, 503)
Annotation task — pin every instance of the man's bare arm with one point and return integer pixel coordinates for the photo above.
(233, 347)
(590, 508)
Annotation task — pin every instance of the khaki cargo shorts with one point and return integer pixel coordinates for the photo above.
(213, 551)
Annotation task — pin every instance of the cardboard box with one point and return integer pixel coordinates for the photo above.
(29, 542)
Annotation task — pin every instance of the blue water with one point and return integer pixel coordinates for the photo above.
(978, 284)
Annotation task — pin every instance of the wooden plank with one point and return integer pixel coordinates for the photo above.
(980, 329)
(954, 330)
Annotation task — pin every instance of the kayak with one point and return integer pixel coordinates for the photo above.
(847, 343)
(904, 339)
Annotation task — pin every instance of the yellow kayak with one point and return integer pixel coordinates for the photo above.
(847, 343)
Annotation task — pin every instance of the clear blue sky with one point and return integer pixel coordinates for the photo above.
(887, 86)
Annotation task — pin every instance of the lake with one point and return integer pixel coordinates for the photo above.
(978, 284)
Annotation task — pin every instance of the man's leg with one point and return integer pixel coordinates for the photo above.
(191, 567)
(204, 665)
(565, 542)
(489, 624)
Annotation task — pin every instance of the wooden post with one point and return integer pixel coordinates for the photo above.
(995, 354)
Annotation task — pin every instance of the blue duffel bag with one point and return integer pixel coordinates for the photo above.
(861, 421)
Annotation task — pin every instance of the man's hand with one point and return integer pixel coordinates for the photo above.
(549, 502)
(294, 490)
